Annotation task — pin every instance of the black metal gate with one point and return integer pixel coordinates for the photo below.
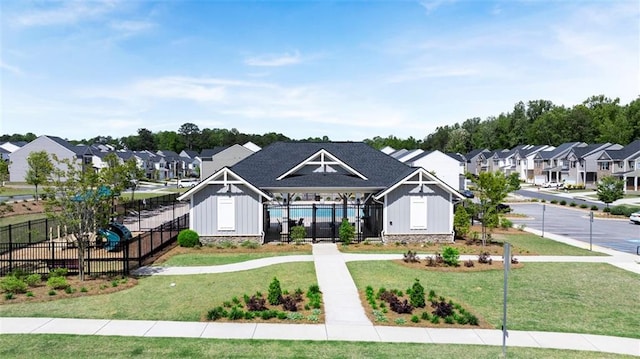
(321, 221)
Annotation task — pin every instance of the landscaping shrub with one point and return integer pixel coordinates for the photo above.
(505, 223)
(468, 263)
(13, 284)
(572, 204)
(411, 257)
(235, 313)
(275, 292)
(346, 232)
(289, 304)
(57, 282)
(298, 233)
(461, 222)
(485, 258)
(623, 210)
(32, 280)
(450, 256)
(188, 238)
(59, 272)
(594, 207)
(606, 210)
(584, 206)
(442, 309)
(256, 304)
(249, 244)
(563, 203)
(553, 201)
(417, 294)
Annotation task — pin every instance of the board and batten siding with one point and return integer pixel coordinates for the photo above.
(247, 211)
(18, 165)
(398, 211)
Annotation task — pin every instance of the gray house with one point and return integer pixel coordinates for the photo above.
(18, 166)
(223, 156)
(260, 197)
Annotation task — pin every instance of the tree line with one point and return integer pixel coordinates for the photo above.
(598, 119)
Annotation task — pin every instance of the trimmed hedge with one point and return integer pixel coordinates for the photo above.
(188, 238)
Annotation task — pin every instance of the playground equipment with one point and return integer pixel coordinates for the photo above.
(116, 233)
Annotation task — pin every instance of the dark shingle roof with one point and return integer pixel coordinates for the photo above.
(625, 152)
(210, 152)
(456, 156)
(558, 150)
(474, 153)
(264, 167)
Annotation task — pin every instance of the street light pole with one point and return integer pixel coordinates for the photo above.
(590, 230)
(544, 208)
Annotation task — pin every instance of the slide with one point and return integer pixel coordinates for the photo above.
(112, 239)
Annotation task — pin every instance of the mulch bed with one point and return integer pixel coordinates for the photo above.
(93, 286)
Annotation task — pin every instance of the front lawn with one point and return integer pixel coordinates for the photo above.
(227, 253)
(522, 244)
(181, 298)
(74, 346)
(564, 297)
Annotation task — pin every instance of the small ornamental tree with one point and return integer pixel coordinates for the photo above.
(275, 292)
(39, 169)
(610, 189)
(417, 294)
(461, 223)
(346, 232)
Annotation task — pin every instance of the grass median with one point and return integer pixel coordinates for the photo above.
(73, 346)
(563, 297)
(155, 298)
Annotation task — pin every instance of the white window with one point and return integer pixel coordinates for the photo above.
(226, 214)
(418, 213)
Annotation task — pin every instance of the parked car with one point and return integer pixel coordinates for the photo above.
(551, 184)
(635, 217)
(467, 193)
(503, 208)
(187, 182)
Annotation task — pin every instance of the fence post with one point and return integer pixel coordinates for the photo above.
(87, 259)
(10, 250)
(313, 222)
(29, 230)
(125, 258)
(140, 248)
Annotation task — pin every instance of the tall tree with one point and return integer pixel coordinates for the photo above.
(79, 200)
(190, 134)
(146, 140)
(491, 188)
(610, 189)
(39, 169)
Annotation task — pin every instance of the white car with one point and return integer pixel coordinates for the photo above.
(635, 217)
(187, 182)
(551, 185)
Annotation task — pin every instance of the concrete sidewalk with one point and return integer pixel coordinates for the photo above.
(320, 332)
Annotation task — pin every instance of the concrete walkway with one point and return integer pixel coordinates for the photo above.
(345, 318)
(322, 332)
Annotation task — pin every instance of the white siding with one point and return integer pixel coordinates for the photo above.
(398, 210)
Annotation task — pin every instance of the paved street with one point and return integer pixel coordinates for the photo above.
(616, 234)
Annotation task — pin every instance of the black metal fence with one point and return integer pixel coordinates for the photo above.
(44, 255)
(322, 221)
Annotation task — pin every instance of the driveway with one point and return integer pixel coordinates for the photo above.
(618, 234)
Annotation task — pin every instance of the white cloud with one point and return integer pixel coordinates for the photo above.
(131, 27)
(432, 5)
(69, 13)
(425, 72)
(10, 68)
(275, 60)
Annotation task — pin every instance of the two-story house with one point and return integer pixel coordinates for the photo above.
(623, 163)
(550, 166)
(582, 163)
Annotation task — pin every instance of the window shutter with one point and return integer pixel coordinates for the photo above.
(226, 214)
(418, 213)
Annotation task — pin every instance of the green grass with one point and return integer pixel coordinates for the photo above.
(211, 259)
(5, 221)
(155, 299)
(531, 243)
(73, 346)
(12, 191)
(564, 297)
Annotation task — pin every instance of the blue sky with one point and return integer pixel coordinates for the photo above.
(349, 70)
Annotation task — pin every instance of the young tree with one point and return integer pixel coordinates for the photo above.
(610, 189)
(461, 222)
(40, 167)
(4, 172)
(491, 188)
(79, 200)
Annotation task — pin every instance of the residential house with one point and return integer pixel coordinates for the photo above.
(475, 163)
(623, 163)
(582, 163)
(382, 197)
(224, 156)
(53, 145)
(448, 168)
(190, 163)
(551, 165)
(524, 161)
